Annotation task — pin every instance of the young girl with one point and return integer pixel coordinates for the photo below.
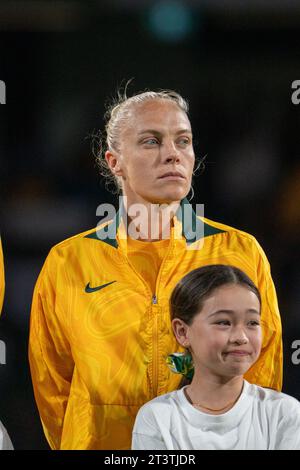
(5, 442)
(215, 312)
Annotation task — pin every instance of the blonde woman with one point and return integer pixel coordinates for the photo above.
(100, 325)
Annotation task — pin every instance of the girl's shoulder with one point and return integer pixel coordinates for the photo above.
(5, 442)
(273, 398)
(160, 406)
(164, 400)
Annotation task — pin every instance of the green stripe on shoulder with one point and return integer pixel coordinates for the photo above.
(98, 235)
(193, 228)
(107, 234)
(210, 230)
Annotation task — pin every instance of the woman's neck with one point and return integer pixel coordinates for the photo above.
(148, 221)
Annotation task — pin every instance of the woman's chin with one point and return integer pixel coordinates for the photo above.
(167, 197)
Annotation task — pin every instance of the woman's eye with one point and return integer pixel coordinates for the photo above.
(223, 322)
(151, 141)
(184, 141)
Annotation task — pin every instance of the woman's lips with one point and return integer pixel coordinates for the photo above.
(172, 177)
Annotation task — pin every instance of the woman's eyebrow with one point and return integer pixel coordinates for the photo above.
(156, 132)
(250, 310)
(149, 131)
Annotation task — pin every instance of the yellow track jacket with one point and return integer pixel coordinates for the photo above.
(99, 337)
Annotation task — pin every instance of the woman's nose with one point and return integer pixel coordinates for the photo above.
(170, 152)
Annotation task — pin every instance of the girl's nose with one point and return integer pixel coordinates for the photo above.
(239, 337)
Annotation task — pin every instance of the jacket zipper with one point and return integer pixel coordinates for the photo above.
(154, 301)
(155, 356)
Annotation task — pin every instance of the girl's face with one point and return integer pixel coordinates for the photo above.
(157, 140)
(225, 337)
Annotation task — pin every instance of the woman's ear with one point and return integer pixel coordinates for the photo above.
(180, 329)
(113, 161)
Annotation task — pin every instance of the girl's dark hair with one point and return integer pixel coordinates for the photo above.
(192, 290)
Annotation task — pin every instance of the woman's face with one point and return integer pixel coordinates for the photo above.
(225, 337)
(157, 140)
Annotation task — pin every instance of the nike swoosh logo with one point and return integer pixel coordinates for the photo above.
(89, 289)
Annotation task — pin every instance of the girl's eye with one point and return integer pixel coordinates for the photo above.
(223, 322)
(254, 323)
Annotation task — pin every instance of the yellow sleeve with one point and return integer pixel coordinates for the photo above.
(268, 369)
(50, 357)
(2, 279)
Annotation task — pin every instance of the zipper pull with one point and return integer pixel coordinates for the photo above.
(154, 299)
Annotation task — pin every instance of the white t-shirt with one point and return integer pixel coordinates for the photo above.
(5, 442)
(261, 419)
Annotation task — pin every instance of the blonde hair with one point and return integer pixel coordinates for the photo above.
(116, 116)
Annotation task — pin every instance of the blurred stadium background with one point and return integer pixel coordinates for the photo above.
(234, 61)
